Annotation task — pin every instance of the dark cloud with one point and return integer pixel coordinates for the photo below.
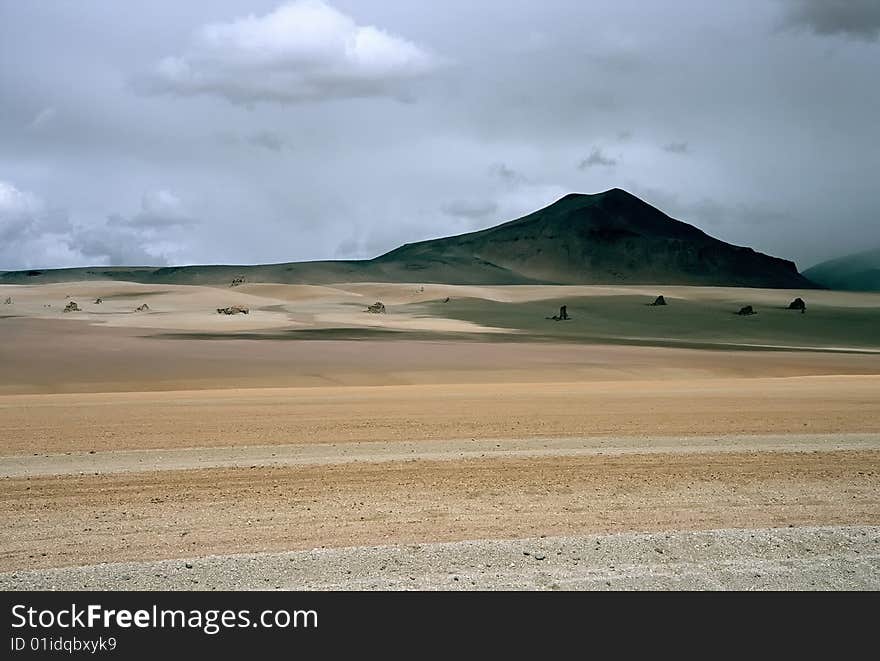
(470, 209)
(267, 140)
(857, 19)
(507, 174)
(597, 157)
(159, 210)
(312, 157)
(677, 148)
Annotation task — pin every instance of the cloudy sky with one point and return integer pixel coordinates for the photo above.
(247, 131)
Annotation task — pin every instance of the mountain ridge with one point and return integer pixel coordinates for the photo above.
(602, 238)
(855, 272)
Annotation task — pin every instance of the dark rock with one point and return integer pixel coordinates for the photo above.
(659, 300)
(142, 308)
(376, 308)
(72, 307)
(562, 316)
(747, 310)
(797, 304)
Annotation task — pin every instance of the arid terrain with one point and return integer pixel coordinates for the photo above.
(462, 439)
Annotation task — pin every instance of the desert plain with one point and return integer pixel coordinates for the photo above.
(460, 440)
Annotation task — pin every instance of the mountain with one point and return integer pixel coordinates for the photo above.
(858, 272)
(610, 237)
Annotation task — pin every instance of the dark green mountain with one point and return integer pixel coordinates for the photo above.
(610, 237)
(858, 272)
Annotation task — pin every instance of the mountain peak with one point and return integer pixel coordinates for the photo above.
(607, 237)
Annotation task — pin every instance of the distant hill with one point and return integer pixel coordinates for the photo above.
(610, 237)
(858, 272)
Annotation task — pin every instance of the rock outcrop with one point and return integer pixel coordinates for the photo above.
(72, 307)
(234, 309)
(562, 316)
(376, 308)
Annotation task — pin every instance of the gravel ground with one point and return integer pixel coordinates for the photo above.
(802, 558)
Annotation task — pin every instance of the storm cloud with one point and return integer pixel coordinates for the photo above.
(597, 157)
(249, 131)
(859, 19)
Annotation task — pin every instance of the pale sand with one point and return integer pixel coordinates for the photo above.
(322, 454)
(193, 308)
(804, 558)
(64, 520)
(229, 446)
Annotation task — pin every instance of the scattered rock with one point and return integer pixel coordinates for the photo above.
(562, 316)
(8, 301)
(659, 300)
(188, 565)
(142, 308)
(72, 307)
(747, 310)
(99, 300)
(236, 282)
(235, 309)
(798, 304)
(376, 308)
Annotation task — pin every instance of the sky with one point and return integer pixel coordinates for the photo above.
(260, 131)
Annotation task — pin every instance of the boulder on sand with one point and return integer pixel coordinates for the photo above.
(72, 307)
(376, 308)
(798, 304)
(562, 316)
(99, 300)
(142, 308)
(8, 301)
(659, 300)
(747, 310)
(234, 309)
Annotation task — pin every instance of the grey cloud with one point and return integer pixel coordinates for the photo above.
(303, 51)
(31, 234)
(597, 157)
(857, 19)
(159, 209)
(780, 127)
(114, 246)
(471, 209)
(677, 148)
(34, 235)
(507, 174)
(42, 118)
(267, 140)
